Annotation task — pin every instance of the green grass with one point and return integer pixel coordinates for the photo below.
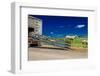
(77, 42)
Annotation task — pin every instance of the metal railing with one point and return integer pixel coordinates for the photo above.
(50, 41)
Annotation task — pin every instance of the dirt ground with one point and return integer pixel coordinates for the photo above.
(51, 54)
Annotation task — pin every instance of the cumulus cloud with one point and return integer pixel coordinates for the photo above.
(80, 26)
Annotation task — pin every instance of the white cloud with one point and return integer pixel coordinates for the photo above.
(51, 33)
(80, 26)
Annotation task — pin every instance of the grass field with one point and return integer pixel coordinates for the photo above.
(76, 42)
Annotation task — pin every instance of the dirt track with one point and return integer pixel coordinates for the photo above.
(49, 54)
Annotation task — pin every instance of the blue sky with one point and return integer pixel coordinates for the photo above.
(60, 26)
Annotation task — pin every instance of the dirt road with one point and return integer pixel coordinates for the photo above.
(49, 54)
